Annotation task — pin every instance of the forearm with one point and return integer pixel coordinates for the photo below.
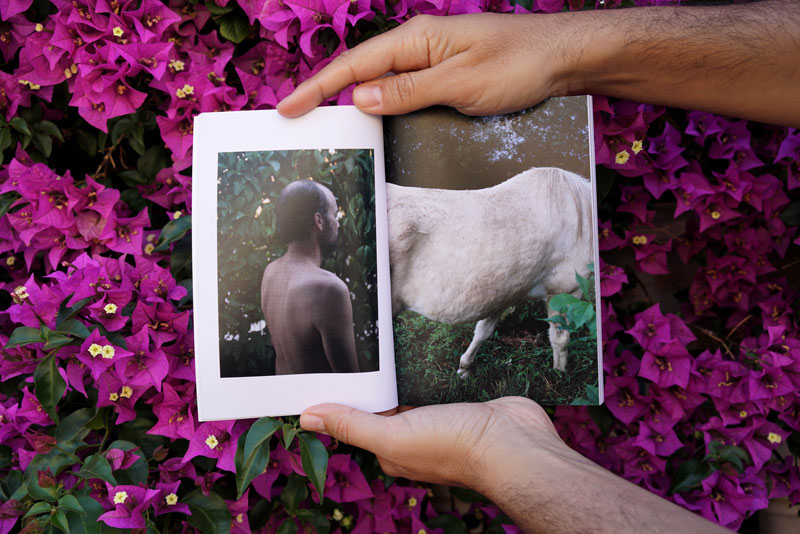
(739, 60)
(563, 492)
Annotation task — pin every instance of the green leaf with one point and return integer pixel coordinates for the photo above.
(50, 129)
(294, 493)
(96, 466)
(5, 138)
(70, 502)
(38, 509)
(450, 523)
(252, 452)
(234, 26)
(287, 527)
(49, 385)
(135, 474)
(5, 456)
(43, 143)
(24, 335)
(210, 514)
(218, 10)
(315, 460)
(153, 160)
(735, 455)
(260, 433)
(56, 340)
(39, 493)
(19, 124)
(7, 199)
(73, 426)
(73, 327)
(173, 231)
(689, 476)
(86, 523)
(584, 284)
(791, 214)
(86, 142)
(59, 519)
(289, 432)
(65, 312)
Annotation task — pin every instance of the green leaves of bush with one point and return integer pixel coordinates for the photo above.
(576, 312)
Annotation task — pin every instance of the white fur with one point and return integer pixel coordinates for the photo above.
(463, 256)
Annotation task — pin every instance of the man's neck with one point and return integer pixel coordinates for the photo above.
(305, 251)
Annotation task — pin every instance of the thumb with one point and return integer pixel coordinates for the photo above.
(403, 93)
(349, 425)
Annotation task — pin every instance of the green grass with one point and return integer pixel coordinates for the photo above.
(515, 360)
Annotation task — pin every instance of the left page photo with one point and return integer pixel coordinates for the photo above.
(290, 263)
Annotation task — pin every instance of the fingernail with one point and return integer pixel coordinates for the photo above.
(313, 423)
(367, 96)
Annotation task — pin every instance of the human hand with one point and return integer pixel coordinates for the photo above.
(480, 64)
(454, 444)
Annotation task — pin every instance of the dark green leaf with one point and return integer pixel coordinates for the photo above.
(56, 340)
(73, 426)
(585, 285)
(173, 231)
(735, 455)
(7, 199)
(73, 327)
(5, 138)
(86, 523)
(43, 143)
(289, 432)
(249, 468)
(791, 214)
(153, 160)
(5, 456)
(38, 509)
(39, 493)
(70, 503)
(86, 142)
(96, 466)
(287, 527)
(234, 26)
(259, 434)
(315, 460)
(180, 259)
(218, 10)
(50, 129)
(689, 476)
(19, 124)
(49, 385)
(450, 523)
(135, 474)
(468, 495)
(294, 493)
(65, 312)
(210, 514)
(59, 519)
(24, 335)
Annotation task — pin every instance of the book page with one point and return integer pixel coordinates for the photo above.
(290, 263)
(491, 219)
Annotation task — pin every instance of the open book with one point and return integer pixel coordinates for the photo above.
(481, 222)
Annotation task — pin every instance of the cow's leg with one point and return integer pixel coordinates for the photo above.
(483, 330)
(559, 339)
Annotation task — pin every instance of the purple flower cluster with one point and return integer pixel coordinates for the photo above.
(715, 387)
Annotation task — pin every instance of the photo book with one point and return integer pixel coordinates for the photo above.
(373, 261)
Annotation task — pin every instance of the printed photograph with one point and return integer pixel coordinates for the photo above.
(296, 262)
(491, 242)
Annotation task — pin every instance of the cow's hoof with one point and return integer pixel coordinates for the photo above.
(463, 373)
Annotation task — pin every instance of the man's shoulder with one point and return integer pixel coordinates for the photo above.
(329, 283)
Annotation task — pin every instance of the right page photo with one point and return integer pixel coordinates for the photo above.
(493, 247)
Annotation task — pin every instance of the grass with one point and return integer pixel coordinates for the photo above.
(515, 360)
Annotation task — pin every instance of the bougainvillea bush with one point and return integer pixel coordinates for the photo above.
(98, 417)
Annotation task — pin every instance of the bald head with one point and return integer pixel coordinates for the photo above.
(297, 204)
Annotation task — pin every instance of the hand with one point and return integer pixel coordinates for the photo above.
(454, 444)
(480, 64)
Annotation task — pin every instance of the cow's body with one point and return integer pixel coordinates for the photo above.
(463, 256)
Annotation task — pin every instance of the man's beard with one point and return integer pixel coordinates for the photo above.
(329, 242)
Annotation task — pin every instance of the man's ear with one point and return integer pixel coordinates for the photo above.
(319, 222)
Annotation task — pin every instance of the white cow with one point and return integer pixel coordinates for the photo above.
(463, 256)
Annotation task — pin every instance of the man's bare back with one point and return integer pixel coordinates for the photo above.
(309, 317)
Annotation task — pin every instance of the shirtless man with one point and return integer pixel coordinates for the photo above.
(308, 311)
